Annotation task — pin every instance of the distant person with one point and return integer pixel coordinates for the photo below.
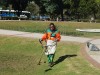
(92, 19)
(52, 36)
(57, 19)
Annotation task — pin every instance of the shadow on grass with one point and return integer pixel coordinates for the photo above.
(62, 58)
(48, 69)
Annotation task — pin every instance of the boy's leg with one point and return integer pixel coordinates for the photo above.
(50, 59)
(52, 63)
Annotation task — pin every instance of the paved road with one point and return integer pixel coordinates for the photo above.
(95, 55)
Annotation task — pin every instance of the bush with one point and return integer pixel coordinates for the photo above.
(97, 20)
(84, 20)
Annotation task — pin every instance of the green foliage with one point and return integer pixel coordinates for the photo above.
(3, 4)
(79, 9)
(98, 1)
(33, 8)
(51, 7)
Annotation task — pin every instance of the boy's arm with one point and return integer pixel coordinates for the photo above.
(58, 37)
(44, 37)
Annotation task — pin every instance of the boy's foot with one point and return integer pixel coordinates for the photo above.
(51, 64)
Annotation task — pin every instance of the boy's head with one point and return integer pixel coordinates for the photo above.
(52, 26)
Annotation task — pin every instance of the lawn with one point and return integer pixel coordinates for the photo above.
(65, 28)
(19, 56)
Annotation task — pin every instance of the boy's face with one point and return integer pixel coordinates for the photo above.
(52, 27)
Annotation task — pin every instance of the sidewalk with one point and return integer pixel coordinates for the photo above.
(38, 35)
(92, 45)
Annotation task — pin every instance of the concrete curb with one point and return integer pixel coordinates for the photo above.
(92, 52)
(84, 52)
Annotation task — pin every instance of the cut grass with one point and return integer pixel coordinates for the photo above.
(19, 56)
(66, 28)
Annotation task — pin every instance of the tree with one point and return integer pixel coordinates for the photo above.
(87, 8)
(33, 8)
(18, 5)
(42, 10)
(98, 7)
(3, 3)
(60, 3)
(93, 7)
(72, 8)
(53, 7)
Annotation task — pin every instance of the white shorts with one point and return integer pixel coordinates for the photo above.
(51, 47)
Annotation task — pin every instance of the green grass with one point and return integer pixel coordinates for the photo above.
(66, 28)
(19, 56)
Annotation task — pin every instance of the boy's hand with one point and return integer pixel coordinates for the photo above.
(40, 40)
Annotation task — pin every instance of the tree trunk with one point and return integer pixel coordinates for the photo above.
(61, 8)
(94, 14)
(62, 17)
